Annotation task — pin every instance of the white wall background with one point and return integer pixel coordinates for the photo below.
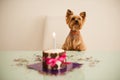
(22, 22)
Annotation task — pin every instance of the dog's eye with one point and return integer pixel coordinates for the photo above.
(79, 19)
(73, 18)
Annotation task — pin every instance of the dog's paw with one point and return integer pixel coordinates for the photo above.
(81, 48)
(64, 48)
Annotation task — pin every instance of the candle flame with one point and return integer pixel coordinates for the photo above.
(54, 34)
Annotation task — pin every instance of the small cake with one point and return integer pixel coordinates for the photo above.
(54, 59)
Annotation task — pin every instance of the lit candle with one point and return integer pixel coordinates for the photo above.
(54, 40)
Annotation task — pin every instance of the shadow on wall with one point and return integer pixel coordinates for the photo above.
(33, 33)
(58, 25)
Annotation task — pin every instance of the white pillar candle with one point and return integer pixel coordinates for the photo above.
(54, 40)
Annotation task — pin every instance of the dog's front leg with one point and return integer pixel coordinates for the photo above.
(76, 42)
(81, 47)
(68, 44)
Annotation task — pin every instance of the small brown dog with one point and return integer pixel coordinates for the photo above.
(74, 40)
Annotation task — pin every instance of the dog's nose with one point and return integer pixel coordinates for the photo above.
(76, 21)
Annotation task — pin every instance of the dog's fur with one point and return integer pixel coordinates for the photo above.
(74, 40)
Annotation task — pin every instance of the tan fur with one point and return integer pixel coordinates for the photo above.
(74, 40)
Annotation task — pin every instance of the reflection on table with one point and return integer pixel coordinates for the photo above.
(97, 65)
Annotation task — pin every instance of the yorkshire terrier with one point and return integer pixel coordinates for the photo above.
(74, 40)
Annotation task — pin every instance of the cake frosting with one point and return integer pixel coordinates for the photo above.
(54, 51)
(54, 59)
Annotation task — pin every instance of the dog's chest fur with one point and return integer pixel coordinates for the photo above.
(74, 34)
(75, 37)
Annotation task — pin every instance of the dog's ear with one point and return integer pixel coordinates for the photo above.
(83, 15)
(68, 14)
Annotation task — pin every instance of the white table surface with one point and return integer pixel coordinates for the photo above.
(107, 69)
